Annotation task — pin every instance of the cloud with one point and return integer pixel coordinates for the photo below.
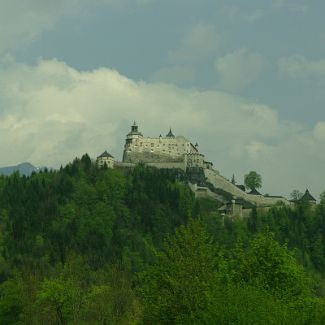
(255, 149)
(297, 6)
(319, 131)
(298, 67)
(50, 113)
(239, 69)
(201, 42)
(24, 21)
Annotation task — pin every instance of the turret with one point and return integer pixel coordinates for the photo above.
(134, 133)
(170, 134)
(308, 198)
(134, 128)
(105, 159)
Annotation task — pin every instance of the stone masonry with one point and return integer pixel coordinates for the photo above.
(161, 150)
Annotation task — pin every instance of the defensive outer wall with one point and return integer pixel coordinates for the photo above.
(176, 152)
(220, 182)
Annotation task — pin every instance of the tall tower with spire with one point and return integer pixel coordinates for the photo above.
(134, 133)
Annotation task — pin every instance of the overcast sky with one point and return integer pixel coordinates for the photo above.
(244, 79)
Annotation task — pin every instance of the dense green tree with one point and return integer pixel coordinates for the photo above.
(253, 180)
(322, 198)
(177, 289)
(272, 267)
(11, 304)
(296, 195)
(63, 233)
(112, 303)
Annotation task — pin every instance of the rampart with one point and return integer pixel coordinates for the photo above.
(136, 157)
(220, 182)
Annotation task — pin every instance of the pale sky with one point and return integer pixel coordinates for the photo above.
(244, 79)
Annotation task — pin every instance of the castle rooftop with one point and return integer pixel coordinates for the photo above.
(105, 154)
(307, 197)
(170, 134)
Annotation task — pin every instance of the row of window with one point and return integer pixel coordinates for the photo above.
(163, 144)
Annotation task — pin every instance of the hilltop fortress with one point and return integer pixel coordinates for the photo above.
(163, 152)
(177, 152)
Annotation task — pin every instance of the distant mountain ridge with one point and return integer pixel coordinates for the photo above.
(25, 168)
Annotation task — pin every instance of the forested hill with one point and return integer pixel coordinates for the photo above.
(85, 245)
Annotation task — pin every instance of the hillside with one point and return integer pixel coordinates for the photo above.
(89, 245)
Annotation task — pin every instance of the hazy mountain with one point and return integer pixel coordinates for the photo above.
(23, 168)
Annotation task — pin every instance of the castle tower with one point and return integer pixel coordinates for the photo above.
(133, 134)
(308, 198)
(132, 139)
(105, 159)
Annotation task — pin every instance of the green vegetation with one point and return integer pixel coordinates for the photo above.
(253, 180)
(296, 195)
(84, 245)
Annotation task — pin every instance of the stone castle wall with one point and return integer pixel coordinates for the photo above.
(162, 150)
(136, 157)
(220, 182)
(173, 147)
(168, 165)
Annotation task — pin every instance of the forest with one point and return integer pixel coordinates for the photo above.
(89, 245)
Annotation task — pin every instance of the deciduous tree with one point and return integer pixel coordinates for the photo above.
(253, 180)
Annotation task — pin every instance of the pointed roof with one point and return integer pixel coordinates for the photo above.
(307, 197)
(170, 134)
(254, 191)
(135, 129)
(105, 154)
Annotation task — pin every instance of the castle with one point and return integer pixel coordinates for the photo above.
(177, 152)
(169, 151)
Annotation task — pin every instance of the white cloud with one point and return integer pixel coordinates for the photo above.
(50, 113)
(239, 69)
(319, 131)
(255, 149)
(22, 21)
(201, 42)
(297, 66)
